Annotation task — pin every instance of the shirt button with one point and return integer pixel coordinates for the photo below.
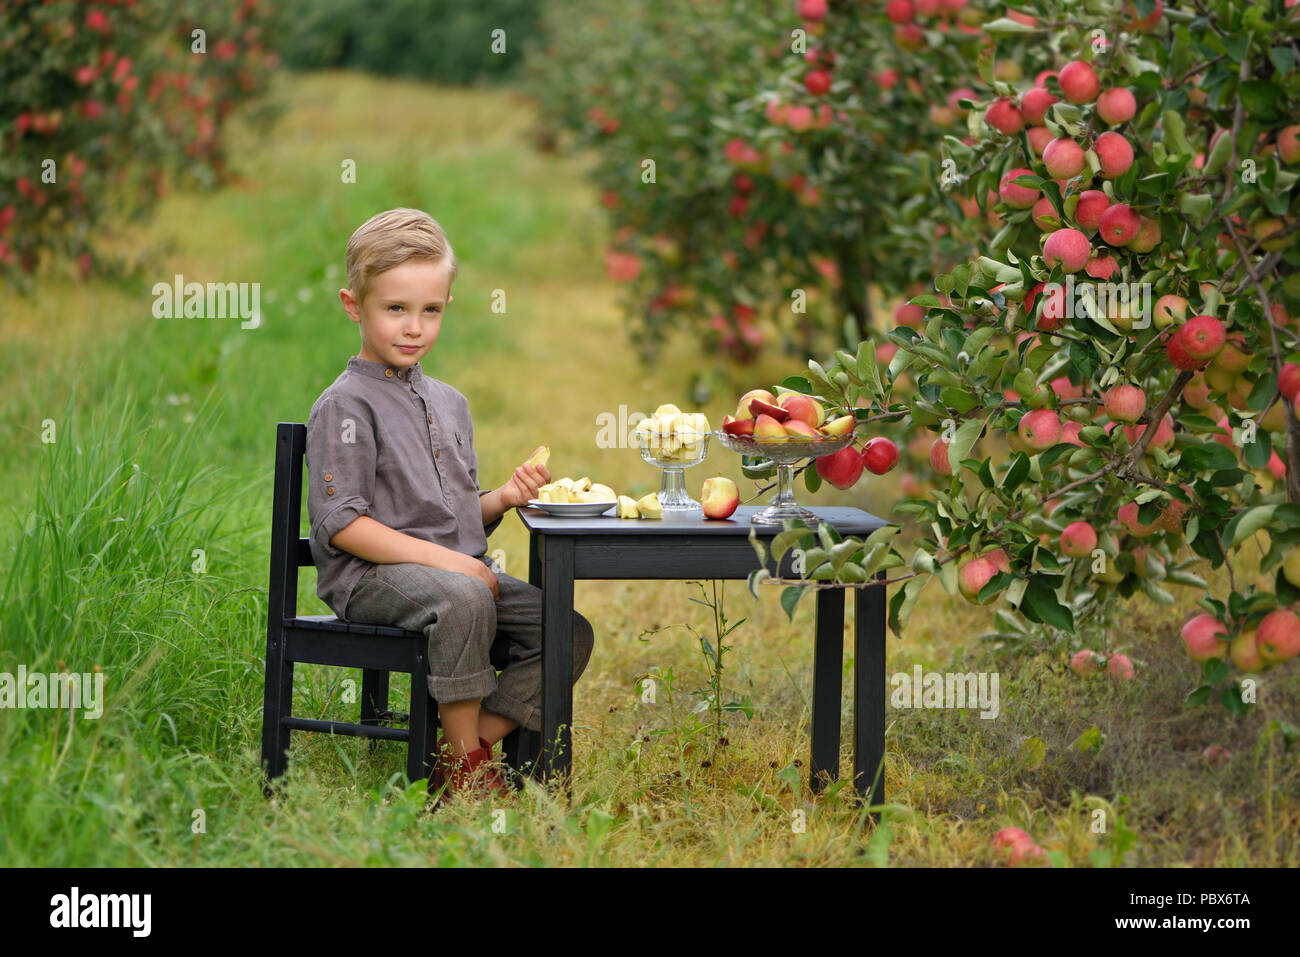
(437, 452)
(430, 420)
(329, 477)
(329, 490)
(389, 373)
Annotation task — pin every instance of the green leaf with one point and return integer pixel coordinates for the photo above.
(1214, 670)
(1196, 205)
(1283, 58)
(755, 578)
(965, 438)
(1208, 456)
(1041, 604)
(1017, 472)
(784, 541)
(1250, 522)
(1006, 27)
(790, 596)
(812, 479)
(904, 600)
(1232, 701)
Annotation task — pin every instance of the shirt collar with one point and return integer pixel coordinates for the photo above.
(382, 370)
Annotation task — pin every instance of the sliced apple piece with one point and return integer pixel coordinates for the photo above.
(649, 505)
(840, 426)
(667, 409)
(766, 427)
(742, 409)
(798, 427)
(758, 407)
(627, 507)
(734, 426)
(602, 493)
(540, 457)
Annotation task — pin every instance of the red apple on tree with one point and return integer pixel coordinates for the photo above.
(842, 469)
(1079, 82)
(879, 455)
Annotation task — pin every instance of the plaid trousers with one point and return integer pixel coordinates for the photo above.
(470, 634)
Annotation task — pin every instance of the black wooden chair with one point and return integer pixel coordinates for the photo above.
(378, 650)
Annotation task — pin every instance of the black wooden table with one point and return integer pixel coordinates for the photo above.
(691, 547)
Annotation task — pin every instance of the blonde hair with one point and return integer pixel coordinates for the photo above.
(390, 239)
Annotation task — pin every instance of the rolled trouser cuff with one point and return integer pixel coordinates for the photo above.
(521, 711)
(463, 687)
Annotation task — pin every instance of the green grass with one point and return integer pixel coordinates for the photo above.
(163, 446)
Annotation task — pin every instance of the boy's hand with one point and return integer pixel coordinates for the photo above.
(524, 484)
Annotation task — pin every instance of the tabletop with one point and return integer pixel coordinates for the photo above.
(845, 520)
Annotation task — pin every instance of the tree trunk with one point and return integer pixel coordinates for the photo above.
(854, 296)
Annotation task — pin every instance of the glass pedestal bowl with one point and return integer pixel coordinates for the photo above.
(674, 454)
(785, 453)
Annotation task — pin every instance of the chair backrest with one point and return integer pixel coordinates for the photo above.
(289, 551)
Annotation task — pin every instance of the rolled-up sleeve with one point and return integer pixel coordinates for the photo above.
(341, 455)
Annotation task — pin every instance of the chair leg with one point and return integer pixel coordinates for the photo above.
(374, 698)
(277, 704)
(423, 727)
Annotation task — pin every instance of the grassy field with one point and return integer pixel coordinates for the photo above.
(138, 543)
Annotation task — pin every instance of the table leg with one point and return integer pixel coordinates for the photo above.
(869, 693)
(828, 665)
(557, 655)
(523, 747)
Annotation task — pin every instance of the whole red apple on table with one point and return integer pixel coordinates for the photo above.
(720, 497)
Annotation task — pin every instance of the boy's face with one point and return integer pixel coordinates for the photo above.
(402, 312)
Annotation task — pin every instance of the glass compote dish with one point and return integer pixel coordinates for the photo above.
(785, 453)
(674, 453)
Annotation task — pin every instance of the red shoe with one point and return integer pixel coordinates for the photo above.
(474, 773)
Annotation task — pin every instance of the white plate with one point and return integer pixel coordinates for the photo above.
(573, 509)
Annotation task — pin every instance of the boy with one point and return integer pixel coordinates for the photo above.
(399, 525)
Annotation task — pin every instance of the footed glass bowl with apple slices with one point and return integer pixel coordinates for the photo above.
(785, 432)
(674, 441)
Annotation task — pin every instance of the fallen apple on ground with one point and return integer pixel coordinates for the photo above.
(720, 497)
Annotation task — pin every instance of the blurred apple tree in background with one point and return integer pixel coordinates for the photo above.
(792, 160)
(103, 106)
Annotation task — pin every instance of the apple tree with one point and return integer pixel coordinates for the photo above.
(1108, 382)
(103, 105)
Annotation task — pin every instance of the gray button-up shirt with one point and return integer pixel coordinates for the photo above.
(397, 446)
